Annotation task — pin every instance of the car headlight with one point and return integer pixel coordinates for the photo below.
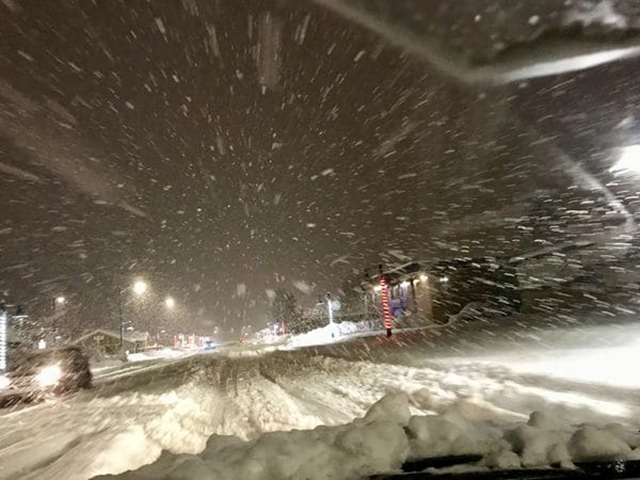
(48, 376)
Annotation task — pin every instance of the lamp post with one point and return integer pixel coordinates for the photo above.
(330, 308)
(3, 338)
(58, 304)
(121, 318)
(169, 302)
(139, 288)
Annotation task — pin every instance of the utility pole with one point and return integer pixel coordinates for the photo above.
(3, 338)
(121, 319)
(330, 310)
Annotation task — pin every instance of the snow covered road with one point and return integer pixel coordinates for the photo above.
(126, 421)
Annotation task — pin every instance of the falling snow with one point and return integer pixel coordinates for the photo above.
(226, 181)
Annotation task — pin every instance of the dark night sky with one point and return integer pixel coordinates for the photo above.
(205, 145)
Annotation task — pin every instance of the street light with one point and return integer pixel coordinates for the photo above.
(140, 287)
(629, 160)
(169, 302)
(61, 300)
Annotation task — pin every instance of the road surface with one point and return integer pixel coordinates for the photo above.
(577, 367)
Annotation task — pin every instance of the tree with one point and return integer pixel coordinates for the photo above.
(284, 308)
(353, 299)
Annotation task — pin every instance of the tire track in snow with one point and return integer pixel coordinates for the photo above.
(109, 433)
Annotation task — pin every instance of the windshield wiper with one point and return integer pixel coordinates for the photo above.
(558, 50)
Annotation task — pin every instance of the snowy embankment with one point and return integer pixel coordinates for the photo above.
(113, 368)
(388, 436)
(492, 382)
(333, 332)
(158, 354)
(99, 432)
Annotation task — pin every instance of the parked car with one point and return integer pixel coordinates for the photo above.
(50, 372)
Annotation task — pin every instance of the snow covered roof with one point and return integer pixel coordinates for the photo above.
(137, 336)
(134, 336)
(398, 270)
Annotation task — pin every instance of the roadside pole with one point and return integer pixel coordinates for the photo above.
(3, 339)
(121, 319)
(330, 311)
(330, 308)
(386, 311)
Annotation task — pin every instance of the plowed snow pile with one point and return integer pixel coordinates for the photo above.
(386, 437)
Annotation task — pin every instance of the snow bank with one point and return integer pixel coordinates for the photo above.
(330, 333)
(4, 382)
(155, 354)
(106, 364)
(386, 437)
(375, 443)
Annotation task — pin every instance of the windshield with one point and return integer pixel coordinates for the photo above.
(317, 239)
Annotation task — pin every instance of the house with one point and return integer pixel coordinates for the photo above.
(107, 342)
(411, 291)
(436, 291)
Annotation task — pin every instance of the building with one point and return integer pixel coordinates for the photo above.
(411, 292)
(107, 342)
(420, 292)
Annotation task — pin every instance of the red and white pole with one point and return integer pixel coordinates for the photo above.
(386, 311)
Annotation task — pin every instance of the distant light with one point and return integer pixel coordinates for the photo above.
(60, 300)
(377, 288)
(405, 284)
(444, 279)
(424, 278)
(169, 302)
(48, 376)
(140, 287)
(629, 160)
(42, 344)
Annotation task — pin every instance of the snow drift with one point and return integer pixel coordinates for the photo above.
(386, 437)
(332, 332)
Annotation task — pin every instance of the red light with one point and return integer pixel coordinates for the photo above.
(385, 304)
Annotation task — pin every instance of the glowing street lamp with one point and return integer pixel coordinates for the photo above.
(629, 160)
(61, 300)
(169, 302)
(140, 287)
